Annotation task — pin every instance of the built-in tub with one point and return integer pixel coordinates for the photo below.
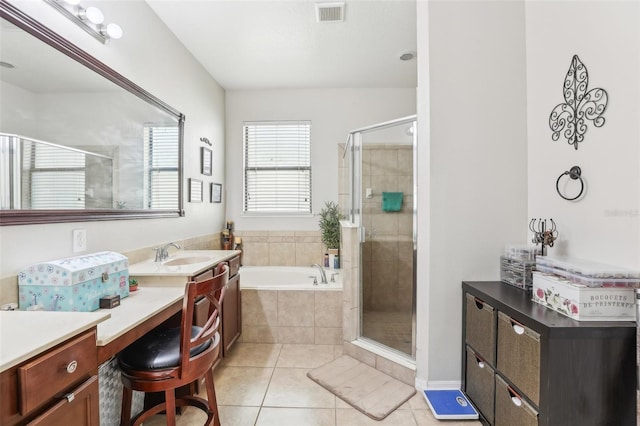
(287, 278)
(280, 304)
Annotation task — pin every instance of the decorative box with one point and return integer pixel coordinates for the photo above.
(584, 303)
(75, 283)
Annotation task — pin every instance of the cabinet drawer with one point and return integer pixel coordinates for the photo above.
(234, 266)
(480, 328)
(480, 384)
(57, 371)
(82, 409)
(519, 356)
(511, 409)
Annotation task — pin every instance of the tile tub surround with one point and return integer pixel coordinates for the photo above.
(266, 384)
(281, 248)
(291, 316)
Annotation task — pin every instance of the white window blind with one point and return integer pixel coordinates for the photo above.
(56, 178)
(161, 156)
(277, 167)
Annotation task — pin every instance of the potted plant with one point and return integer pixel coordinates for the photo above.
(133, 284)
(330, 217)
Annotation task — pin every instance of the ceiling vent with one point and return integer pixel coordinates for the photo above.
(330, 12)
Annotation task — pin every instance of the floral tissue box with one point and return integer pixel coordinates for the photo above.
(584, 303)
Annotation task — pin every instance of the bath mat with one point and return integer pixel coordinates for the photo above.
(366, 389)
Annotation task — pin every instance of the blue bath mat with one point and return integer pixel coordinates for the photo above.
(449, 404)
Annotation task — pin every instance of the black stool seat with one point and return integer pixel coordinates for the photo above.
(166, 359)
(158, 349)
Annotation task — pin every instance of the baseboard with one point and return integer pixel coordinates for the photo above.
(437, 384)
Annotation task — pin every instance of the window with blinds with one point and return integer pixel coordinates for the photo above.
(161, 157)
(55, 177)
(277, 167)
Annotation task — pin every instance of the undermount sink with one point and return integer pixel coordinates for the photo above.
(187, 260)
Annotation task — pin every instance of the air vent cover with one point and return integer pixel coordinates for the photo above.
(330, 12)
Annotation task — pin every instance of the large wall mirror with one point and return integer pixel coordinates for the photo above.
(78, 141)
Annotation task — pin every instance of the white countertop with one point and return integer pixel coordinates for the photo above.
(165, 269)
(135, 309)
(24, 334)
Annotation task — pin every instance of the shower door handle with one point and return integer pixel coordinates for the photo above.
(363, 234)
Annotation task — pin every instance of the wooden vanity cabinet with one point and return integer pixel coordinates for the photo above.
(232, 308)
(524, 364)
(231, 305)
(57, 387)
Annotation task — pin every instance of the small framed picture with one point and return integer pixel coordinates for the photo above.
(216, 193)
(206, 159)
(195, 191)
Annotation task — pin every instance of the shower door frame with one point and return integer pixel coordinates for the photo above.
(355, 212)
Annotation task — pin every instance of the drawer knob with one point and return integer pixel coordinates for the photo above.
(72, 366)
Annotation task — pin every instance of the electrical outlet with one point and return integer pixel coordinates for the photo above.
(79, 240)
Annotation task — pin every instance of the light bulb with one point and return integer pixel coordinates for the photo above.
(93, 15)
(114, 31)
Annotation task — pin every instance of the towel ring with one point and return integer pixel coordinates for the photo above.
(574, 173)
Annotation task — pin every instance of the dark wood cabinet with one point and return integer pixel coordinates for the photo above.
(231, 314)
(525, 364)
(57, 387)
(231, 305)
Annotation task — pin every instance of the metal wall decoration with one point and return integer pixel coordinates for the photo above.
(570, 117)
(575, 173)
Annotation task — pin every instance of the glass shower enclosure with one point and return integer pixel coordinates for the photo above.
(379, 192)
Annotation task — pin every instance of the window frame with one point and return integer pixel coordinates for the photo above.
(306, 168)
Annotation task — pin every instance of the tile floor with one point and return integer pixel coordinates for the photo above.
(267, 384)
(391, 328)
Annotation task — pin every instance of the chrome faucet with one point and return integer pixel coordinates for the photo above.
(161, 252)
(323, 276)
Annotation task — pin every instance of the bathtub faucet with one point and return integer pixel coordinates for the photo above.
(323, 276)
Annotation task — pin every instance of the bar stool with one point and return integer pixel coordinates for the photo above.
(165, 359)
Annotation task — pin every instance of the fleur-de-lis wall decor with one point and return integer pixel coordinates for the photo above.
(569, 118)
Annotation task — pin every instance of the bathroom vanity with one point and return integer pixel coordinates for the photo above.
(525, 364)
(197, 265)
(48, 367)
(49, 361)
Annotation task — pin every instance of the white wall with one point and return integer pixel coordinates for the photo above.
(472, 163)
(604, 224)
(151, 57)
(333, 114)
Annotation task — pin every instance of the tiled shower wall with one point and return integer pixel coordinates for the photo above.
(387, 254)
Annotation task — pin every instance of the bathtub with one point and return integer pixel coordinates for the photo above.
(287, 278)
(280, 304)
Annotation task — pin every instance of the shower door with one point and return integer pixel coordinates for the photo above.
(387, 245)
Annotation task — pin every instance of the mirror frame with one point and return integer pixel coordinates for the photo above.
(29, 217)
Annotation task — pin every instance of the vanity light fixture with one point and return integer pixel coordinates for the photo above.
(91, 14)
(90, 19)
